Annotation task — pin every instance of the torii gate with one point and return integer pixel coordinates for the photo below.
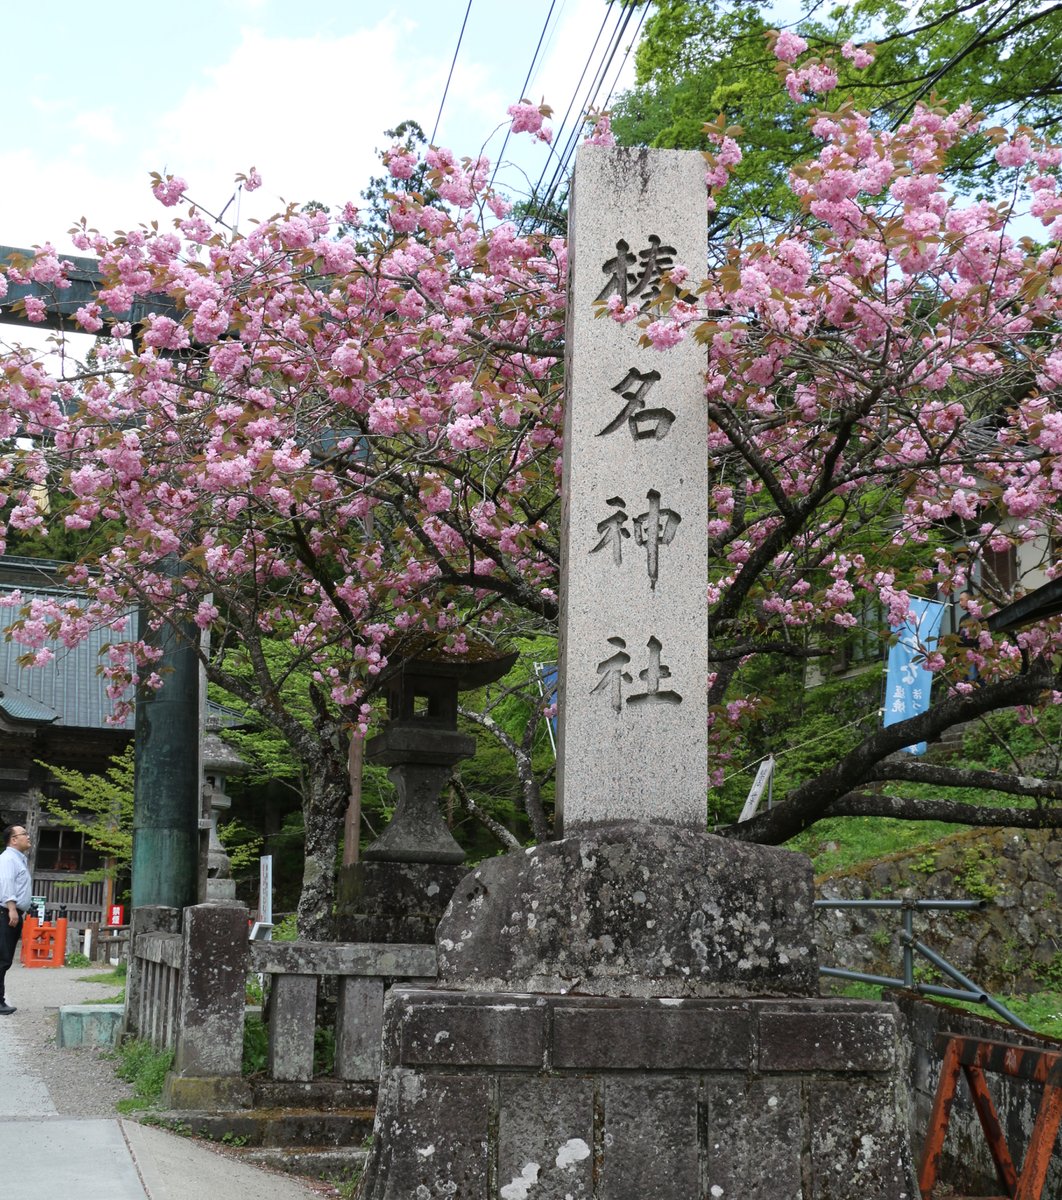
(167, 789)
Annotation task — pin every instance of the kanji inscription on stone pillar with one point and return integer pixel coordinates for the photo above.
(633, 709)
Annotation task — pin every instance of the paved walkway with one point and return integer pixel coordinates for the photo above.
(48, 1156)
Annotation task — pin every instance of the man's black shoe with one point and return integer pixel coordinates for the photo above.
(6, 1010)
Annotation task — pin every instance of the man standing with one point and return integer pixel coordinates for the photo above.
(15, 892)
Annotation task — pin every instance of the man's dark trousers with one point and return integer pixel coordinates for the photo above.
(9, 935)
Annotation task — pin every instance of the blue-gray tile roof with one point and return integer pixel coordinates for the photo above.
(69, 686)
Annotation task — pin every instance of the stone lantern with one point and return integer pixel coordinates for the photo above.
(220, 762)
(406, 878)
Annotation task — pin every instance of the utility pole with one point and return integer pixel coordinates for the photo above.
(166, 776)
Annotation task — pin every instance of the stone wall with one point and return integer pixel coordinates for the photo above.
(1014, 945)
(548, 1097)
(967, 1164)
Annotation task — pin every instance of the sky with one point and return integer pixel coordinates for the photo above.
(95, 99)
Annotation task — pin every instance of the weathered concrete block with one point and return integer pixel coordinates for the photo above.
(89, 1024)
(546, 1135)
(859, 1141)
(205, 1093)
(293, 1018)
(213, 980)
(343, 958)
(509, 1032)
(634, 1123)
(359, 1028)
(651, 1037)
(851, 1037)
(635, 910)
(394, 901)
(421, 1142)
(650, 1133)
(753, 1138)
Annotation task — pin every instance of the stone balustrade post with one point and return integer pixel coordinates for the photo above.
(214, 963)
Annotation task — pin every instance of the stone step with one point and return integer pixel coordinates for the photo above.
(322, 1094)
(282, 1129)
(89, 1024)
(337, 1164)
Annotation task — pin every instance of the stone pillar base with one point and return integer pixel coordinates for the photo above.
(601, 1098)
(210, 1093)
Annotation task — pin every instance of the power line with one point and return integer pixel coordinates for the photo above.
(546, 197)
(627, 53)
(567, 113)
(573, 141)
(560, 172)
(523, 90)
(460, 38)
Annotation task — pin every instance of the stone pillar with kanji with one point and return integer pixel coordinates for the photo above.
(631, 1010)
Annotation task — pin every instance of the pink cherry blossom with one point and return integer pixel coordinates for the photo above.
(168, 191)
(788, 47)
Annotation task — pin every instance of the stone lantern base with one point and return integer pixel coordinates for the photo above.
(394, 901)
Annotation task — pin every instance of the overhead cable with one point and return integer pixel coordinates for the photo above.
(460, 38)
(544, 197)
(523, 90)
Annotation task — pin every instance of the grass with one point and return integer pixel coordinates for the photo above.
(117, 976)
(838, 842)
(140, 1064)
(1041, 1011)
(114, 978)
(255, 1046)
(835, 843)
(348, 1187)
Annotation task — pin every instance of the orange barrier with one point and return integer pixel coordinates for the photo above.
(43, 942)
(973, 1058)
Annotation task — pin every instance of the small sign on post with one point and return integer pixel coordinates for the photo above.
(116, 915)
(262, 929)
(763, 778)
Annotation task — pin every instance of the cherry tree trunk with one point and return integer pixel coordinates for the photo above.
(326, 792)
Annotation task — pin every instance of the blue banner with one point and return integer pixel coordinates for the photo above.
(547, 685)
(908, 683)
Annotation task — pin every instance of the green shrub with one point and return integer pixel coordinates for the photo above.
(324, 1051)
(286, 929)
(255, 1045)
(976, 874)
(140, 1064)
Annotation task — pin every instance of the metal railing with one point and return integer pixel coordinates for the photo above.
(968, 990)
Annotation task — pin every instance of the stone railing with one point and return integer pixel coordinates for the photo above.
(186, 991)
(361, 971)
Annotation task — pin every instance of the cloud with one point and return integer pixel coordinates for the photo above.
(307, 111)
(99, 125)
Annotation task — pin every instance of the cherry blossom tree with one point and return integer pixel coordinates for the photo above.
(342, 446)
(349, 443)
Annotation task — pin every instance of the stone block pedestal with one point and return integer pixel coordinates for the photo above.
(394, 901)
(548, 1097)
